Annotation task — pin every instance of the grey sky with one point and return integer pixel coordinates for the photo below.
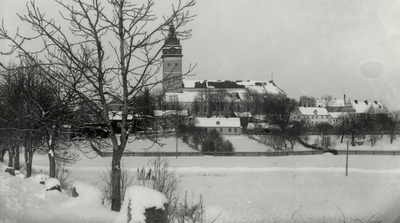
(312, 47)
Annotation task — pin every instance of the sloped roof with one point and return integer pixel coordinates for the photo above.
(331, 103)
(186, 96)
(313, 111)
(218, 122)
(235, 95)
(364, 106)
(338, 114)
(257, 86)
(117, 116)
(242, 114)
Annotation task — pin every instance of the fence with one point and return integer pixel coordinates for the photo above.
(280, 153)
(369, 152)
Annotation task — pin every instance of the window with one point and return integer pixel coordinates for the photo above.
(230, 130)
(235, 129)
(168, 64)
(176, 64)
(220, 129)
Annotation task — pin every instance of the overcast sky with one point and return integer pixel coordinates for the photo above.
(311, 47)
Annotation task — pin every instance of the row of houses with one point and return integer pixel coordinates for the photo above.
(336, 110)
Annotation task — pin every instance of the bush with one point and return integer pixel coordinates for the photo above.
(227, 146)
(214, 142)
(159, 176)
(191, 135)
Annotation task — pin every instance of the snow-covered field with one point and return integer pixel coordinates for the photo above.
(238, 189)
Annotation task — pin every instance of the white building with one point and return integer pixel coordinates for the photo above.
(313, 115)
(225, 126)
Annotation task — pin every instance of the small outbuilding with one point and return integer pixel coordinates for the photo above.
(225, 126)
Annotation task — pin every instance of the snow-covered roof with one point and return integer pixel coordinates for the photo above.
(261, 125)
(186, 96)
(218, 122)
(332, 103)
(313, 111)
(256, 86)
(189, 95)
(163, 113)
(364, 106)
(242, 114)
(117, 116)
(338, 114)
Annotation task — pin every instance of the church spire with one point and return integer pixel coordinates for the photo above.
(172, 40)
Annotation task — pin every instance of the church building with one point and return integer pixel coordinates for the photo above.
(205, 98)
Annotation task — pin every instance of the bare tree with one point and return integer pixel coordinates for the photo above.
(394, 125)
(324, 131)
(307, 101)
(325, 100)
(342, 125)
(114, 53)
(202, 103)
(279, 111)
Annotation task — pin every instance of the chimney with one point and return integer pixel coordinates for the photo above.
(344, 98)
(366, 102)
(376, 102)
(356, 101)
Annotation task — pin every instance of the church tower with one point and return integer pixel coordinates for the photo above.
(172, 62)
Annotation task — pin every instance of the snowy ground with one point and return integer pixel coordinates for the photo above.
(241, 189)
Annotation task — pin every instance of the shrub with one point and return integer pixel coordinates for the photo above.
(159, 176)
(227, 146)
(214, 142)
(127, 179)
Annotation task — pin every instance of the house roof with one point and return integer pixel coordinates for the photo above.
(364, 106)
(257, 86)
(261, 125)
(332, 103)
(313, 111)
(218, 122)
(185, 96)
(164, 113)
(242, 114)
(117, 116)
(236, 90)
(338, 114)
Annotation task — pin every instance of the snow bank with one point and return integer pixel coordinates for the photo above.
(138, 199)
(24, 200)
(39, 178)
(87, 194)
(52, 183)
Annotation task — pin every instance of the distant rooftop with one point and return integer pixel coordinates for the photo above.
(218, 122)
(256, 86)
(313, 111)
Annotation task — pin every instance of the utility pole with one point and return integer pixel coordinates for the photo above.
(347, 158)
(176, 134)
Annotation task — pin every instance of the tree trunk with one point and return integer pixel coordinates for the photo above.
(52, 161)
(341, 139)
(116, 183)
(10, 156)
(2, 153)
(16, 158)
(28, 158)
